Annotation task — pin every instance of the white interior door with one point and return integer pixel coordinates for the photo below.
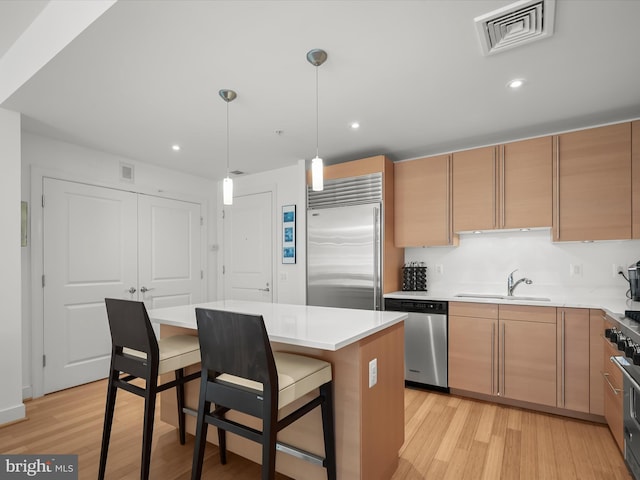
(90, 252)
(169, 252)
(248, 248)
(101, 242)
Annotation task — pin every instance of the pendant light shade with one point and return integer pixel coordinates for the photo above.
(317, 57)
(227, 184)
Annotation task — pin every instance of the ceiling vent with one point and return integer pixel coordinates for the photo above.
(514, 25)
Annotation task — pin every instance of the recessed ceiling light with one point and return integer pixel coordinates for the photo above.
(175, 147)
(516, 83)
(355, 125)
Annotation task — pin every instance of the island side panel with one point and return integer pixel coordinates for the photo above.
(382, 404)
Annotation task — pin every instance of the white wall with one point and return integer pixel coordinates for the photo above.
(41, 155)
(482, 262)
(11, 406)
(288, 185)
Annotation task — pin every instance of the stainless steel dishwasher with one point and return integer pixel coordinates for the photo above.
(425, 341)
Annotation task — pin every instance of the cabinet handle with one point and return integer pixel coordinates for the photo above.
(449, 200)
(503, 184)
(562, 339)
(504, 342)
(557, 202)
(495, 214)
(615, 390)
(493, 339)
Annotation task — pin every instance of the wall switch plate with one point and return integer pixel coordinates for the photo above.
(439, 269)
(373, 372)
(575, 269)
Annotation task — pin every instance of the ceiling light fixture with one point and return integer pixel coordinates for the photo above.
(517, 83)
(355, 125)
(317, 57)
(227, 184)
(175, 147)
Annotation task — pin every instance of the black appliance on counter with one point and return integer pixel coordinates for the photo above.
(634, 281)
(425, 341)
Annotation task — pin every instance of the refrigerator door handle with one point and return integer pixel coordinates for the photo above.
(376, 259)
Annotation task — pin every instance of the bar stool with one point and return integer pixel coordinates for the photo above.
(137, 353)
(240, 372)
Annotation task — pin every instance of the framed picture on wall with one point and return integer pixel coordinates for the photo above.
(289, 234)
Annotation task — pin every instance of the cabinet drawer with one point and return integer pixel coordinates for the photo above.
(528, 314)
(483, 310)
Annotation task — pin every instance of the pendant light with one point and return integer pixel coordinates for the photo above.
(317, 57)
(227, 184)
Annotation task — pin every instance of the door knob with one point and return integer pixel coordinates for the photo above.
(132, 290)
(144, 289)
(265, 289)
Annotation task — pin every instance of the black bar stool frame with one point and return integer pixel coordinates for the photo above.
(238, 344)
(131, 328)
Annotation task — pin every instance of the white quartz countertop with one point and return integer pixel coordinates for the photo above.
(614, 306)
(324, 328)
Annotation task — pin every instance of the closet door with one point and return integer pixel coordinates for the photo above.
(169, 252)
(101, 242)
(90, 252)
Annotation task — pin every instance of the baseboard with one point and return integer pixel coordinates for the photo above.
(27, 393)
(12, 414)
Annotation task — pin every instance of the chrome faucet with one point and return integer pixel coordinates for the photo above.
(511, 286)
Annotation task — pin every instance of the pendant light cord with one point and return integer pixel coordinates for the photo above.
(317, 117)
(227, 138)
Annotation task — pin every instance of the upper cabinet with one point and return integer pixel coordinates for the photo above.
(509, 186)
(423, 202)
(592, 183)
(475, 189)
(635, 178)
(526, 183)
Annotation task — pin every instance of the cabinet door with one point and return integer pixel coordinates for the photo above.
(635, 171)
(472, 354)
(475, 189)
(613, 400)
(593, 184)
(423, 202)
(573, 355)
(526, 173)
(596, 351)
(528, 361)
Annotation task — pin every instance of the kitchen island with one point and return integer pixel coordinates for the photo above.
(369, 420)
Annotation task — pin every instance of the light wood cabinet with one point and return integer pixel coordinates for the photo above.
(573, 359)
(473, 347)
(592, 184)
(393, 257)
(596, 351)
(526, 173)
(503, 350)
(635, 178)
(475, 195)
(528, 354)
(423, 202)
(508, 186)
(612, 383)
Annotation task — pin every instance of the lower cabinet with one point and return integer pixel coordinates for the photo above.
(612, 383)
(573, 358)
(503, 350)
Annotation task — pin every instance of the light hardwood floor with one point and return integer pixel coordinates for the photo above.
(446, 437)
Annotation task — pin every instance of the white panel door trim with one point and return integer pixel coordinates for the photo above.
(35, 310)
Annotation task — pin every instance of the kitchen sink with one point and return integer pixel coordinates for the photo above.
(489, 296)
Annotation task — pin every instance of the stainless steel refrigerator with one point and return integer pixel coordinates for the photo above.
(344, 256)
(344, 253)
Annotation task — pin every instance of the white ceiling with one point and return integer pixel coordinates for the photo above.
(146, 74)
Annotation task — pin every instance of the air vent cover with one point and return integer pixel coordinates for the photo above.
(514, 25)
